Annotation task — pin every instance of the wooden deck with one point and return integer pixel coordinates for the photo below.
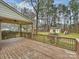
(21, 48)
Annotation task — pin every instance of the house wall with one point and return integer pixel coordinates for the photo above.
(56, 30)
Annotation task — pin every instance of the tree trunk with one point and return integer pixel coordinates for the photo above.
(0, 32)
(37, 23)
(70, 25)
(47, 24)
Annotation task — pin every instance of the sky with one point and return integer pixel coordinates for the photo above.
(61, 2)
(55, 1)
(22, 4)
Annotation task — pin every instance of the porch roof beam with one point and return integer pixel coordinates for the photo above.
(13, 21)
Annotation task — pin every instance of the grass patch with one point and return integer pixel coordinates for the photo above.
(43, 33)
(71, 35)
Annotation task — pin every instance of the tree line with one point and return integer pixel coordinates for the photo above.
(61, 16)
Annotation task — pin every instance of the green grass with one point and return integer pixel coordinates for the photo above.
(43, 33)
(71, 35)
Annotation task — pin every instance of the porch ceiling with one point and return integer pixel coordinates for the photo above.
(7, 15)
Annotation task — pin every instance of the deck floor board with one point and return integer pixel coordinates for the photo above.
(29, 49)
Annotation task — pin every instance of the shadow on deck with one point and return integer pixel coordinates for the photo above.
(21, 48)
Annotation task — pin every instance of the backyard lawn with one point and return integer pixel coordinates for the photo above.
(71, 35)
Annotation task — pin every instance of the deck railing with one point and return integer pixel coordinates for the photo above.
(63, 42)
(11, 34)
(77, 47)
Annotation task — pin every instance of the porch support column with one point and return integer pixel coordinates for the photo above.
(20, 30)
(0, 32)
